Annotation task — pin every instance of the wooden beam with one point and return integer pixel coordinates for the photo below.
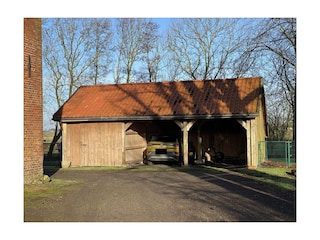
(180, 124)
(185, 125)
(242, 123)
(127, 125)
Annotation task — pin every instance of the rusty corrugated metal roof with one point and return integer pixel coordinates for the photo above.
(222, 97)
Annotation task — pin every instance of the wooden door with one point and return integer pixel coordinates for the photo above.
(135, 143)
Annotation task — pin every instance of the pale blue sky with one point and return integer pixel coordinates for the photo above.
(163, 22)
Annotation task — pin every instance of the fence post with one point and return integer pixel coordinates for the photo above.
(266, 149)
(289, 154)
(259, 153)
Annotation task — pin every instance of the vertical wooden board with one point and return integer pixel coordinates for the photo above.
(87, 134)
(74, 144)
(93, 135)
(100, 158)
(104, 145)
(254, 142)
(65, 142)
(84, 142)
(119, 144)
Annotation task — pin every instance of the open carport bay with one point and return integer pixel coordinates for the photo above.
(186, 195)
(224, 135)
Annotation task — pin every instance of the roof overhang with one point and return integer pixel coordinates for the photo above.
(157, 117)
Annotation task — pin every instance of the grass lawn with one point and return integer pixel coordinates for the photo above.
(35, 192)
(271, 177)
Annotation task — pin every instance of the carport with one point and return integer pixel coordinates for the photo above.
(225, 135)
(111, 124)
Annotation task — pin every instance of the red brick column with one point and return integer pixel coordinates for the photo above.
(33, 119)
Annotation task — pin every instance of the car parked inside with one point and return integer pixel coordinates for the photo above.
(162, 149)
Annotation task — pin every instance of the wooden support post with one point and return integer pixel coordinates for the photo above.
(254, 143)
(249, 126)
(185, 127)
(185, 147)
(246, 126)
(249, 147)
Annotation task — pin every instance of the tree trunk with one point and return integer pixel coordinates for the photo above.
(56, 137)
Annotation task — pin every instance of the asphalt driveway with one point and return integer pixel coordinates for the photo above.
(162, 196)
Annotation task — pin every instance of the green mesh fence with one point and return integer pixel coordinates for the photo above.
(276, 154)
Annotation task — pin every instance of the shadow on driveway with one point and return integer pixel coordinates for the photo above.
(168, 194)
(252, 199)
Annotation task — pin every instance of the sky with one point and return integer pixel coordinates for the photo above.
(163, 23)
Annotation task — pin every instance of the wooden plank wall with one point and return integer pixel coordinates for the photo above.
(94, 144)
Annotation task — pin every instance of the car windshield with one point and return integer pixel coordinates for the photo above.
(163, 139)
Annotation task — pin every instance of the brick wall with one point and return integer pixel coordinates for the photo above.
(33, 135)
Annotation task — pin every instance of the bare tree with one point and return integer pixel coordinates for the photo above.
(70, 48)
(73, 36)
(150, 48)
(129, 33)
(101, 41)
(204, 48)
(270, 51)
(137, 42)
(279, 118)
(277, 40)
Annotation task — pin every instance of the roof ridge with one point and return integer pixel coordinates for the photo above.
(167, 81)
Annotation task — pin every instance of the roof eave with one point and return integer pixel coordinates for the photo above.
(158, 117)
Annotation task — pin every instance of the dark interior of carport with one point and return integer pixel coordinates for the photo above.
(225, 135)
